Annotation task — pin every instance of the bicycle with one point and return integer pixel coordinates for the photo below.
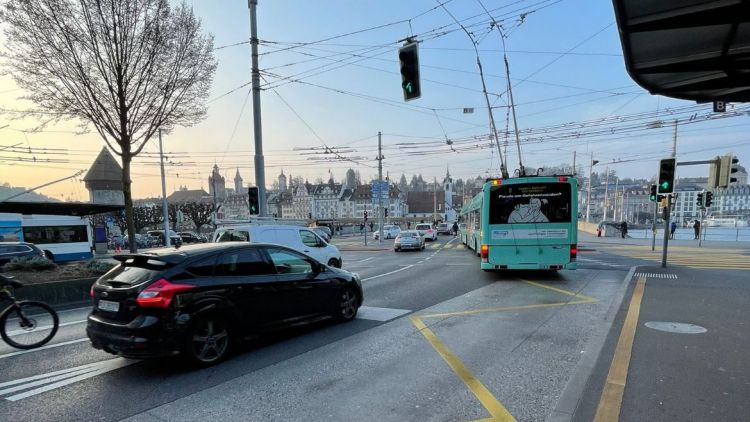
(25, 324)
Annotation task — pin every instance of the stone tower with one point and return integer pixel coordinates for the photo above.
(238, 182)
(104, 180)
(216, 186)
(282, 182)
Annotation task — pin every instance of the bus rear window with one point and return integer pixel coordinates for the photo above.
(536, 203)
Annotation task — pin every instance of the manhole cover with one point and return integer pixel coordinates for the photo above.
(676, 327)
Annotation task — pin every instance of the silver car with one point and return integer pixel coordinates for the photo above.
(408, 239)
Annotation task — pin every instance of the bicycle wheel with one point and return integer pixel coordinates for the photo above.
(28, 324)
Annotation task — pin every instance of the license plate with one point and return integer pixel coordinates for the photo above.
(108, 305)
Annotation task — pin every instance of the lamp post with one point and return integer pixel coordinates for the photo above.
(592, 163)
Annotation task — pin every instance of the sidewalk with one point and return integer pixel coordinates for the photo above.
(677, 350)
(589, 240)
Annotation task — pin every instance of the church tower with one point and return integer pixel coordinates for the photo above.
(238, 182)
(282, 181)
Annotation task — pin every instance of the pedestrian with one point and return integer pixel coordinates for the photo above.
(697, 229)
(624, 229)
(408, 225)
(372, 225)
(599, 229)
(455, 228)
(672, 228)
(361, 227)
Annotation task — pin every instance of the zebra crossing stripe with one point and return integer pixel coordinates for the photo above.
(656, 275)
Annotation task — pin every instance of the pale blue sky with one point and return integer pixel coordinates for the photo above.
(550, 88)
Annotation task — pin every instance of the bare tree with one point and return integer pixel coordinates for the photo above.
(127, 68)
(199, 213)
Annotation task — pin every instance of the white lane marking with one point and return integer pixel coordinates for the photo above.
(46, 379)
(388, 273)
(596, 261)
(86, 308)
(366, 259)
(43, 327)
(380, 314)
(89, 372)
(50, 374)
(49, 346)
(460, 264)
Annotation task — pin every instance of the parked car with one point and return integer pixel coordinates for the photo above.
(191, 301)
(190, 237)
(425, 230)
(322, 233)
(443, 228)
(408, 239)
(327, 230)
(302, 239)
(174, 238)
(389, 232)
(10, 250)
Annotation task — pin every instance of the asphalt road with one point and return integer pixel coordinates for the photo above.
(521, 333)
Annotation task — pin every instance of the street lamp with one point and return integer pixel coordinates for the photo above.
(592, 163)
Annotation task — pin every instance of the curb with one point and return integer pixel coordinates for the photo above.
(58, 293)
(571, 394)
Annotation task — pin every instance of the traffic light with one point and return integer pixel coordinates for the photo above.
(699, 201)
(727, 167)
(253, 200)
(409, 62)
(667, 168)
(709, 199)
(365, 215)
(385, 210)
(652, 195)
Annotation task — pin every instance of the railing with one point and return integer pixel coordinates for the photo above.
(725, 234)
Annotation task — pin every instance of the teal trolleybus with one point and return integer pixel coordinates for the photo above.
(524, 223)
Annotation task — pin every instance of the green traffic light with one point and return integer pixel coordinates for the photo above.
(665, 185)
(408, 87)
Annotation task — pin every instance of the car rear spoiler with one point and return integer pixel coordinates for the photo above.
(143, 258)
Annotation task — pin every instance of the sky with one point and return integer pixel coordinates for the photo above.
(331, 78)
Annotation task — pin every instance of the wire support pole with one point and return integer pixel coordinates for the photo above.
(164, 204)
(260, 168)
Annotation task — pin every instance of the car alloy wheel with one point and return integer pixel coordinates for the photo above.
(334, 263)
(347, 305)
(208, 341)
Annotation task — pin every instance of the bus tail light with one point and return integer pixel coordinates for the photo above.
(573, 252)
(485, 251)
(497, 182)
(562, 179)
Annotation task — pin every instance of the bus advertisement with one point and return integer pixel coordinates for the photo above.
(527, 223)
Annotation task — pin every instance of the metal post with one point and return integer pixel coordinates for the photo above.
(260, 169)
(588, 195)
(380, 194)
(700, 231)
(574, 163)
(666, 230)
(165, 206)
(606, 193)
(653, 225)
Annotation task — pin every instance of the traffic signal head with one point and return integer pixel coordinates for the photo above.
(409, 62)
(709, 199)
(385, 210)
(727, 167)
(365, 215)
(652, 195)
(699, 201)
(253, 200)
(667, 168)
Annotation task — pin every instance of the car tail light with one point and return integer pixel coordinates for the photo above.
(429, 230)
(160, 293)
(485, 252)
(573, 252)
(91, 291)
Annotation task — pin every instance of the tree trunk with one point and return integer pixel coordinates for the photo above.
(128, 195)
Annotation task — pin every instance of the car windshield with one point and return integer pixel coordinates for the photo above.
(423, 226)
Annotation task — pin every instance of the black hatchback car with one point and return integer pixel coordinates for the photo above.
(10, 250)
(198, 300)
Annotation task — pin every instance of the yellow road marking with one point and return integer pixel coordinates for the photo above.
(508, 308)
(559, 290)
(610, 402)
(485, 397)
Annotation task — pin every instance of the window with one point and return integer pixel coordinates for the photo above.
(530, 203)
(244, 262)
(203, 268)
(287, 262)
(308, 238)
(55, 234)
(234, 235)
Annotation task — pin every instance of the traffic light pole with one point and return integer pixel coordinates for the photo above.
(653, 226)
(260, 167)
(667, 212)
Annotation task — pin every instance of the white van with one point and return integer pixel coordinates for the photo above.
(298, 238)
